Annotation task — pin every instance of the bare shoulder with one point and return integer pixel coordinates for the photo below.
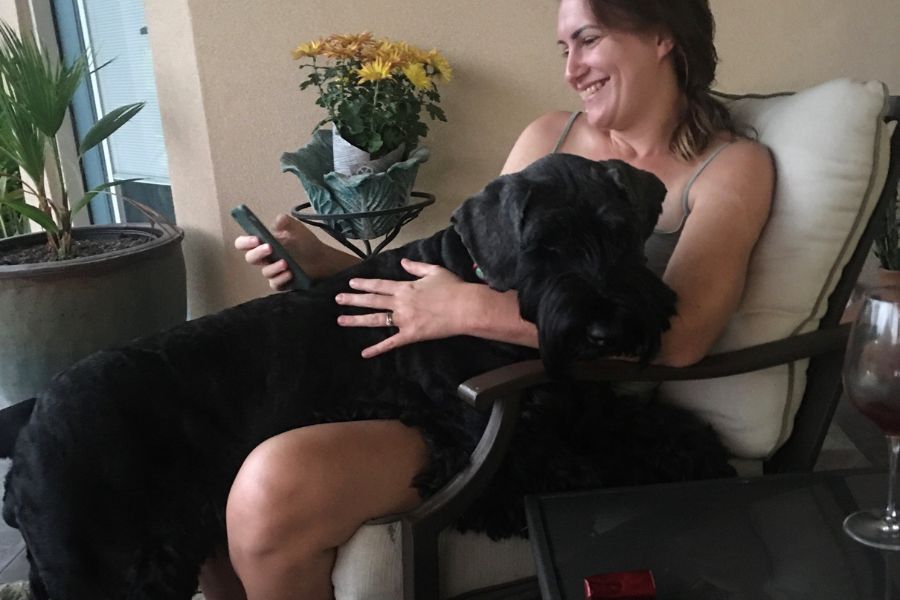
(536, 140)
(741, 179)
(744, 153)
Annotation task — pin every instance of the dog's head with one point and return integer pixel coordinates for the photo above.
(567, 233)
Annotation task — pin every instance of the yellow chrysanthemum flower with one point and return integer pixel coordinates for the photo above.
(352, 39)
(417, 55)
(338, 51)
(374, 70)
(440, 64)
(393, 56)
(348, 45)
(416, 74)
(309, 49)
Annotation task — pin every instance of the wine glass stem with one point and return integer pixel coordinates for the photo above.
(890, 512)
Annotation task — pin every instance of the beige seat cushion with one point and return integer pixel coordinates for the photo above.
(368, 565)
(831, 152)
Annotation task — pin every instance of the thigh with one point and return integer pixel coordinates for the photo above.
(355, 470)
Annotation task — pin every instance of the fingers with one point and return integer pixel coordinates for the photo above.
(258, 255)
(280, 281)
(284, 223)
(274, 269)
(387, 287)
(381, 301)
(378, 319)
(386, 345)
(246, 242)
(419, 269)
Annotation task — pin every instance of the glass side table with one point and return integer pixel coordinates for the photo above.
(773, 537)
(345, 227)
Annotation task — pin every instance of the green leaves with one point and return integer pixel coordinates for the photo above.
(106, 126)
(35, 94)
(33, 213)
(21, 142)
(36, 86)
(91, 194)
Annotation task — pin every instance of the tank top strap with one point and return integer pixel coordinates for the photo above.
(686, 194)
(565, 131)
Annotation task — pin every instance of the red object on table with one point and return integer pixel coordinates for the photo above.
(623, 585)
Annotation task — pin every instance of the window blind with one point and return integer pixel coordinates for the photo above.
(117, 32)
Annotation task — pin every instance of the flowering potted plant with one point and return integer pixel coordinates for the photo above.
(376, 93)
(374, 90)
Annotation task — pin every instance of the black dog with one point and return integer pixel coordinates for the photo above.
(119, 479)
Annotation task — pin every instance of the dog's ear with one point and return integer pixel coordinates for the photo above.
(490, 225)
(644, 190)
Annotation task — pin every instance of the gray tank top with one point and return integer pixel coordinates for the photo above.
(661, 244)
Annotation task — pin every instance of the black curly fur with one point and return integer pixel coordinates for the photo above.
(119, 479)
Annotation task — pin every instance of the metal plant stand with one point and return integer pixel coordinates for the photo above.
(331, 224)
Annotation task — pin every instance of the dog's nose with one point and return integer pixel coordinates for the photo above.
(597, 334)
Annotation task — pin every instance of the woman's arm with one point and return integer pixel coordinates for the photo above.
(708, 269)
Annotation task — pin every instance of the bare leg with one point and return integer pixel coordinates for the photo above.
(218, 579)
(303, 493)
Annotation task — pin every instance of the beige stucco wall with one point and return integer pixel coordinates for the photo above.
(230, 102)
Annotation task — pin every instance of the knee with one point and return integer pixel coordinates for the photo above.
(282, 497)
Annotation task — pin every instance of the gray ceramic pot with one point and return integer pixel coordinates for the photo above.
(52, 314)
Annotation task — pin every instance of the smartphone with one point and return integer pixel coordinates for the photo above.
(253, 226)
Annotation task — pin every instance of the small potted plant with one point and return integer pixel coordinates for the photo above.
(376, 93)
(887, 245)
(69, 290)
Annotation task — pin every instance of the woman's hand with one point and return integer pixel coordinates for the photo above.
(316, 258)
(425, 309)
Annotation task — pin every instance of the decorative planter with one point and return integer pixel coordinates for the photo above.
(350, 160)
(52, 314)
(332, 193)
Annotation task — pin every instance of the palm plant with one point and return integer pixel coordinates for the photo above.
(35, 94)
(11, 221)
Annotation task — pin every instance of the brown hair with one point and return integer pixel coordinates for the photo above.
(692, 27)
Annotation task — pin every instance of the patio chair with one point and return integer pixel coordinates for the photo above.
(771, 385)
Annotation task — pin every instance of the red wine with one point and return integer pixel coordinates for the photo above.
(885, 414)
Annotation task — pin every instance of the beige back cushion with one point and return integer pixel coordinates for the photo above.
(831, 154)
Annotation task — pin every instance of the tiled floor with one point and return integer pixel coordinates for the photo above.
(852, 442)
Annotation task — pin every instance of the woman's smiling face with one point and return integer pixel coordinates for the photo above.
(615, 72)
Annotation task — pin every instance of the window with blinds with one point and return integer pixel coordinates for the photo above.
(117, 35)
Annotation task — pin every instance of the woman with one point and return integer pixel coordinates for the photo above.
(643, 70)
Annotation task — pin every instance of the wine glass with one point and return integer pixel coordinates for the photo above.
(872, 381)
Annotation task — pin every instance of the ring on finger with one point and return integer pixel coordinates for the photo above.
(388, 320)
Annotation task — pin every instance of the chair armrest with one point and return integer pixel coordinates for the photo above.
(480, 391)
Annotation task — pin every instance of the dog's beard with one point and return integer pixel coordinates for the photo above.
(620, 313)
